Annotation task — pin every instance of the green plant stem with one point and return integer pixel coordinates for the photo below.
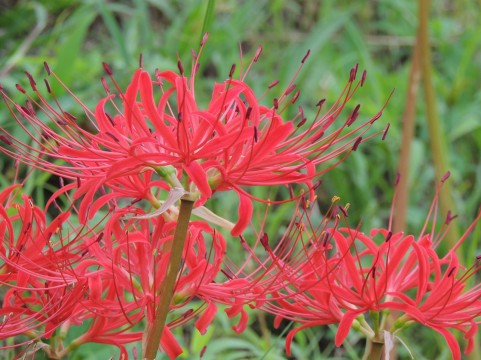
(436, 133)
(408, 122)
(154, 332)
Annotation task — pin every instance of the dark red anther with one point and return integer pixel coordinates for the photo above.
(304, 203)
(276, 103)
(202, 352)
(296, 96)
(204, 39)
(232, 71)
(354, 115)
(385, 131)
(306, 56)
(187, 313)
(478, 257)
(33, 84)
(248, 113)
(363, 79)
(5, 140)
(356, 143)
(107, 68)
(26, 111)
(290, 89)
(110, 119)
(272, 84)
(179, 116)
(388, 236)
(320, 103)
(451, 271)
(316, 185)
(181, 68)
(47, 68)
(353, 74)
(30, 107)
(325, 239)
(257, 54)
(446, 176)
(255, 134)
(20, 88)
(450, 217)
(141, 60)
(302, 122)
(265, 240)
(47, 85)
(303, 118)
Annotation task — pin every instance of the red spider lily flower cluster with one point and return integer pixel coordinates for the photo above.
(157, 136)
(59, 275)
(327, 274)
(105, 259)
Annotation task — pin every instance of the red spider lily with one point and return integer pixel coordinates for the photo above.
(233, 142)
(125, 267)
(318, 275)
(36, 271)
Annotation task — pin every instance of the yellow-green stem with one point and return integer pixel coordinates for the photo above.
(154, 332)
(436, 133)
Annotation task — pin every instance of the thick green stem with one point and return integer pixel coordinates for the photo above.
(436, 133)
(154, 332)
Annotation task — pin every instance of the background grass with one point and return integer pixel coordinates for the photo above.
(76, 36)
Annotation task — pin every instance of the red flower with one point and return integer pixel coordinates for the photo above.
(37, 268)
(341, 274)
(232, 142)
(125, 267)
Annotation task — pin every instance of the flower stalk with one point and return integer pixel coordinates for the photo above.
(374, 349)
(154, 332)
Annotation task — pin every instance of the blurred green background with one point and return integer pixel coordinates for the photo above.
(74, 37)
